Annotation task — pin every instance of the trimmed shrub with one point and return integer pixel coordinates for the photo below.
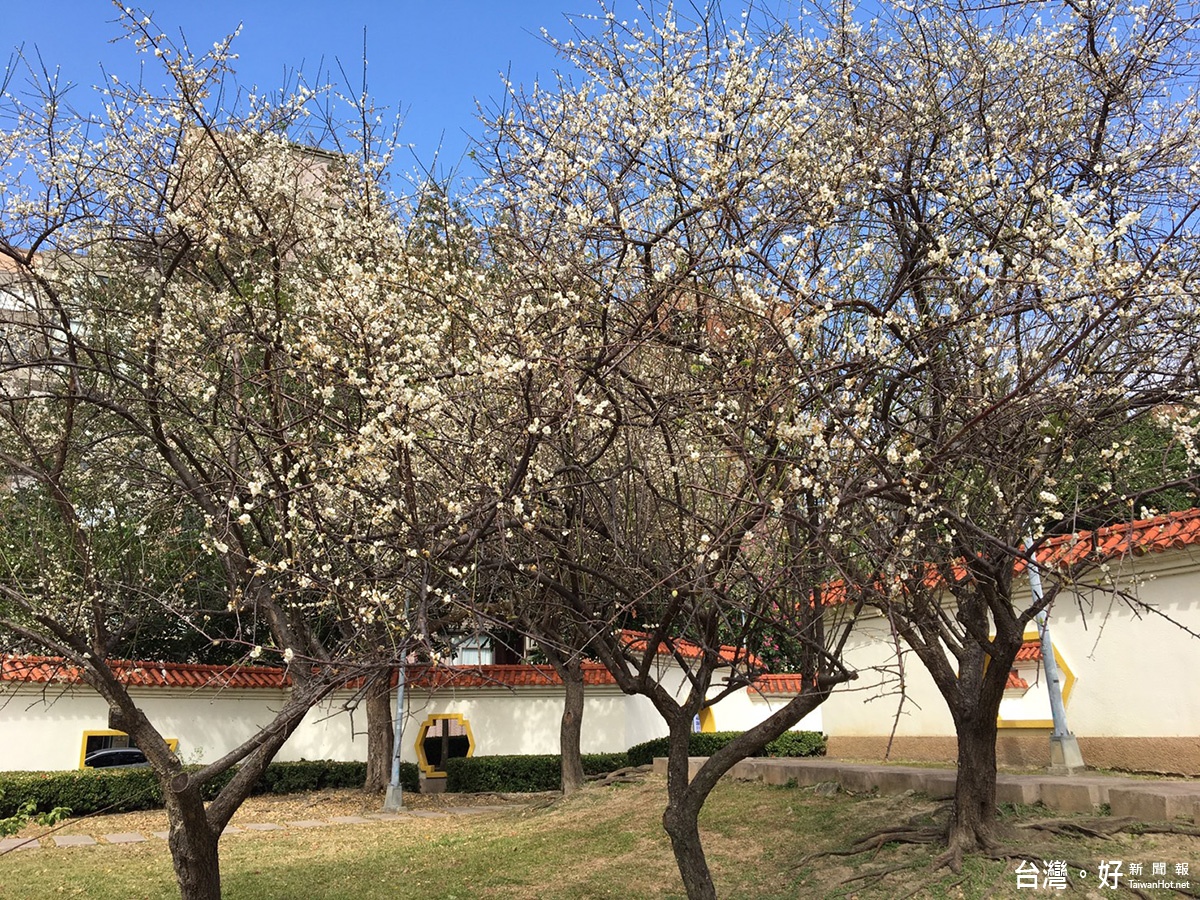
(643, 754)
(83, 792)
(214, 787)
(303, 775)
(459, 747)
(790, 743)
(798, 743)
(124, 790)
(520, 774)
(475, 774)
(603, 763)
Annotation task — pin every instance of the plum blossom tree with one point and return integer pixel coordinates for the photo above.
(434, 480)
(651, 528)
(760, 309)
(702, 456)
(1025, 243)
(229, 345)
(895, 287)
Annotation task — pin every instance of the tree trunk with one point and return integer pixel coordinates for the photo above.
(973, 823)
(681, 818)
(682, 824)
(193, 844)
(571, 728)
(380, 746)
(973, 695)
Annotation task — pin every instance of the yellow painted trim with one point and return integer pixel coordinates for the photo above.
(430, 771)
(1068, 679)
(708, 724)
(100, 732)
(172, 743)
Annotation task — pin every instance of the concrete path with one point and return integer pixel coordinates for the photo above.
(133, 837)
(1146, 799)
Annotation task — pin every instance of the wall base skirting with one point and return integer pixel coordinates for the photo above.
(1031, 749)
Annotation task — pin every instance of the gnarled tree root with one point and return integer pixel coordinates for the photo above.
(1103, 827)
(910, 833)
(913, 831)
(877, 839)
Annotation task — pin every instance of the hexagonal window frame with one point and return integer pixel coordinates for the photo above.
(1068, 686)
(423, 732)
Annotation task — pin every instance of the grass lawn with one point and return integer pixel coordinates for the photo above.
(606, 842)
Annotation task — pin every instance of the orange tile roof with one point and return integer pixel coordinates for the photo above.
(786, 683)
(49, 670)
(515, 676)
(505, 676)
(1172, 531)
(1015, 681)
(637, 641)
(1030, 651)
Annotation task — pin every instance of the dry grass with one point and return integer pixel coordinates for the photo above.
(324, 804)
(605, 842)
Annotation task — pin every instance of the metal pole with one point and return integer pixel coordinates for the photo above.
(394, 799)
(1065, 756)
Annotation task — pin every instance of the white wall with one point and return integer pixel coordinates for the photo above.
(868, 705)
(521, 721)
(1136, 677)
(44, 725)
(745, 709)
(1136, 673)
(42, 728)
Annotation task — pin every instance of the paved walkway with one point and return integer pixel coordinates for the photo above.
(134, 837)
(1146, 799)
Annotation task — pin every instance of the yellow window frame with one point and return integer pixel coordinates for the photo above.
(422, 732)
(172, 743)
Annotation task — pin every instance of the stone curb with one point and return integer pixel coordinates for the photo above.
(1147, 800)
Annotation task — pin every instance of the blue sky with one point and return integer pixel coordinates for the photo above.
(429, 60)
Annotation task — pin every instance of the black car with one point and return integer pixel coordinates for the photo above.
(119, 758)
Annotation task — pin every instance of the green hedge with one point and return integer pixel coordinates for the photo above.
(520, 774)
(798, 743)
(82, 792)
(460, 745)
(306, 775)
(123, 790)
(790, 743)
